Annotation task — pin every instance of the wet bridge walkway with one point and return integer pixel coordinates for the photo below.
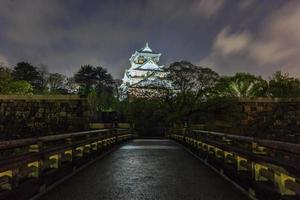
(146, 169)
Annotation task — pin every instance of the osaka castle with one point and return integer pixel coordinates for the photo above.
(145, 77)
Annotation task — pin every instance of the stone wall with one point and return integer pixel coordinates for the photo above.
(269, 118)
(38, 115)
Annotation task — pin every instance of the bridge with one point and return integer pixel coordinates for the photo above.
(113, 163)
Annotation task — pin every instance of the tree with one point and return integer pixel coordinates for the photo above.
(10, 86)
(93, 101)
(98, 85)
(242, 85)
(116, 90)
(85, 77)
(71, 86)
(148, 115)
(281, 85)
(44, 74)
(27, 72)
(89, 78)
(19, 88)
(5, 78)
(56, 82)
(104, 82)
(192, 85)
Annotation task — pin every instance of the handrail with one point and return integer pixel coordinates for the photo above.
(290, 147)
(22, 142)
(262, 160)
(16, 143)
(49, 158)
(62, 136)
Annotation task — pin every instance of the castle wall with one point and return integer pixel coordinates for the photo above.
(37, 115)
(263, 117)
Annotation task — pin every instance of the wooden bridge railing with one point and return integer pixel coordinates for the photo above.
(28, 166)
(267, 169)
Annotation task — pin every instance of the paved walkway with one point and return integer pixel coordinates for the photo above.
(146, 169)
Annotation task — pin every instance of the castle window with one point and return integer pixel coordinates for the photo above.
(141, 60)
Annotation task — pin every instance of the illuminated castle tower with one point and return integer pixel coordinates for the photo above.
(145, 74)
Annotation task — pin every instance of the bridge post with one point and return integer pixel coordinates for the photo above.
(6, 180)
(115, 127)
(185, 128)
(34, 167)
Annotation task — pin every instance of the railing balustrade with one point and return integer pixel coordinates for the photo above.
(30, 165)
(271, 169)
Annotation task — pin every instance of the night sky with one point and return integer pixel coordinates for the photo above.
(256, 36)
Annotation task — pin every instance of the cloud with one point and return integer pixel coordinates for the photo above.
(227, 49)
(243, 4)
(279, 40)
(226, 43)
(275, 46)
(32, 22)
(3, 61)
(209, 8)
(59, 35)
(271, 52)
(66, 34)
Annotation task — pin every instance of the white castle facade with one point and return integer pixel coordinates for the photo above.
(144, 76)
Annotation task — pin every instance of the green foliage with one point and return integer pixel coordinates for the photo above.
(71, 86)
(89, 78)
(93, 100)
(44, 75)
(5, 78)
(100, 102)
(56, 83)
(186, 77)
(27, 72)
(19, 88)
(148, 115)
(103, 81)
(281, 85)
(242, 85)
(85, 77)
(10, 86)
(97, 84)
(197, 90)
(192, 86)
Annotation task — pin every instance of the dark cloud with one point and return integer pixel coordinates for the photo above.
(225, 34)
(274, 46)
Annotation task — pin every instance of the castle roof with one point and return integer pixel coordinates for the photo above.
(146, 49)
(149, 65)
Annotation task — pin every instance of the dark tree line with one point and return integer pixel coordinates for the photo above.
(95, 83)
(187, 79)
(198, 91)
(193, 87)
(25, 78)
(204, 82)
